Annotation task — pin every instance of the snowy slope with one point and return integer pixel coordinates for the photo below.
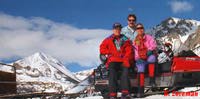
(160, 96)
(80, 87)
(85, 76)
(92, 97)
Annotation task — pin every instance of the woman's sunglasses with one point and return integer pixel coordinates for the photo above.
(140, 28)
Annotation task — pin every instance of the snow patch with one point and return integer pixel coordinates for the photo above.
(6, 68)
(83, 74)
(184, 38)
(80, 87)
(175, 19)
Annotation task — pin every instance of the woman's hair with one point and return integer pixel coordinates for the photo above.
(139, 24)
(139, 38)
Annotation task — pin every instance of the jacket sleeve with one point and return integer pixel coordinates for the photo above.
(104, 49)
(128, 57)
(123, 31)
(152, 43)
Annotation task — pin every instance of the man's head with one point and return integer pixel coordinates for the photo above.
(131, 20)
(117, 29)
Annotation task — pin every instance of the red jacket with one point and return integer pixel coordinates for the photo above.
(124, 53)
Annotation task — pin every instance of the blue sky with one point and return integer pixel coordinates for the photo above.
(85, 16)
(98, 13)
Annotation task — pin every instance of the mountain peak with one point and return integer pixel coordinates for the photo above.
(171, 21)
(39, 54)
(43, 61)
(179, 20)
(174, 19)
(42, 56)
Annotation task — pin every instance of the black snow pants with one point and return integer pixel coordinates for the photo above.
(114, 68)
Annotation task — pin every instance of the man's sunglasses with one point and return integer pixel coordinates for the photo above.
(140, 28)
(131, 20)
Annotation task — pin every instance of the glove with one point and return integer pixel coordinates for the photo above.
(151, 59)
(149, 52)
(140, 61)
(140, 64)
(103, 58)
(140, 68)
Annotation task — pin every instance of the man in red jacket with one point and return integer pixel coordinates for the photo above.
(118, 50)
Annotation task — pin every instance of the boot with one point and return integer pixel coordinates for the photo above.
(140, 93)
(125, 94)
(152, 82)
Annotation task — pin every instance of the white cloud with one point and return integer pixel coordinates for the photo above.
(180, 6)
(24, 36)
(130, 9)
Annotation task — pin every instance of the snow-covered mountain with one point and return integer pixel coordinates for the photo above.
(41, 72)
(180, 32)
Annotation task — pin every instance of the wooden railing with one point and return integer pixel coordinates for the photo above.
(8, 80)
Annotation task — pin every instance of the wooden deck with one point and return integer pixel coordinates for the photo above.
(7, 83)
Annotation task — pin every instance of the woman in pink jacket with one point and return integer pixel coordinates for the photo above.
(144, 47)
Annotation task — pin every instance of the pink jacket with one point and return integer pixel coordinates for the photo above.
(150, 43)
